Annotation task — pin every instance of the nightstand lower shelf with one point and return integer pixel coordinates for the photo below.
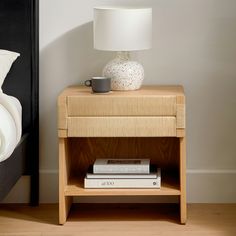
(75, 187)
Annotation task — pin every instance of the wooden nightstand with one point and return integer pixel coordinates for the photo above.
(147, 123)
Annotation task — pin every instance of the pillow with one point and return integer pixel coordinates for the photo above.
(6, 60)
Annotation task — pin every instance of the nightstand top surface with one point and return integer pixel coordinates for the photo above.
(148, 90)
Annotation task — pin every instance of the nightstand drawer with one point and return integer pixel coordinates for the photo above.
(121, 126)
(100, 105)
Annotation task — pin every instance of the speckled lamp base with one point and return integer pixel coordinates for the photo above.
(124, 73)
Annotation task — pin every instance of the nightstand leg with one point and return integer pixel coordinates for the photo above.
(183, 204)
(64, 170)
(64, 208)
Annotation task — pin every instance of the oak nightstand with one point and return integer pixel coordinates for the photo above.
(147, 123)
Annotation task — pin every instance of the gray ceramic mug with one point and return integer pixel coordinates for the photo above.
(99, 84)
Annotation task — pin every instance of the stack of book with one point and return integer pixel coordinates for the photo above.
(123, 173)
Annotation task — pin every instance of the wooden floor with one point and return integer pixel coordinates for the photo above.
(119, 220)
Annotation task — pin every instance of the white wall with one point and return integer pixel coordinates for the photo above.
(194, 44)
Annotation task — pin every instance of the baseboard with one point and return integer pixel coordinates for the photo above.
(203, 186)
(211, 186)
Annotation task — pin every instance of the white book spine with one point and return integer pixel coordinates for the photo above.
(122, 183)
(101, 166)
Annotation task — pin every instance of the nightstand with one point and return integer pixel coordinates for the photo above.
(147, 123)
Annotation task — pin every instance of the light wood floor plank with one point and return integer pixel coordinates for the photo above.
(118, 220)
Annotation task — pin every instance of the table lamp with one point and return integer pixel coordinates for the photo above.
(123, 30)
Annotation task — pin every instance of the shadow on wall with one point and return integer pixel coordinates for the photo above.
(68, 60)
(72, 58)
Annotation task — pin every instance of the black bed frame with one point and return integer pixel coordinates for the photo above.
(19, 33)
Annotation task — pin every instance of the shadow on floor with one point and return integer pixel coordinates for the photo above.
(124, 212)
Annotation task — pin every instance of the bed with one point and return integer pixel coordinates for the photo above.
(19, 33)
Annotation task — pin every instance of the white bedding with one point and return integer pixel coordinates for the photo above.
(10, 125)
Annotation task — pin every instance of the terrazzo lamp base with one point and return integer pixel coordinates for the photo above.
(124, 73)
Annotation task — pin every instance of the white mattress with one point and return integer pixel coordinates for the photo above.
(10, 125)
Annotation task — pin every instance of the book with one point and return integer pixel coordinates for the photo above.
(121, 166)
(151, 175)
(124, 183)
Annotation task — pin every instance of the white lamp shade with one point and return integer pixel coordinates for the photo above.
(122, 29)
